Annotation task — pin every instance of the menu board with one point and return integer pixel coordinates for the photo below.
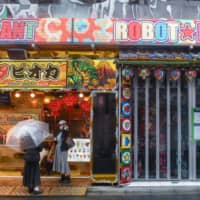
(5, 99)
(196, 124)
(80, 152)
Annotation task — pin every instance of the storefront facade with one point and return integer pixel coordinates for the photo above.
(140, 107)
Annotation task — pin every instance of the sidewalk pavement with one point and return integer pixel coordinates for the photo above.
(10, 187)
(146, 188)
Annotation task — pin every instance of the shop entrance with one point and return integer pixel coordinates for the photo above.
(49, 106)
(163, 148)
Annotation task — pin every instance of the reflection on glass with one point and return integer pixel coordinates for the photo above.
(141, 128)
(173, 129)
(163, 129)
(184, 129)
(152, 128)
(198, 142)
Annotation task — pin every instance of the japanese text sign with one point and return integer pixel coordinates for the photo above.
(33, 74)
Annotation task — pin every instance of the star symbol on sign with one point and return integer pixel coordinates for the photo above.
(187, 32)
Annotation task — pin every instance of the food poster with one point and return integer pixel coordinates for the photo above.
(81, 151)
(91, 74)
(32, 74)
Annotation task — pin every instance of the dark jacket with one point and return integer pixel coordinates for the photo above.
(64, 136)
(31, 176)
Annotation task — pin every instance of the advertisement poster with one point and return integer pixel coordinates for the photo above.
(91, 74)
(32, 74)
(125, 174)
(125, 157)
(196, 123)
(125, 141)
(80, 152)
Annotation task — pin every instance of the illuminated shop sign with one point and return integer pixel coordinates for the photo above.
(157, 31)
(108, 31)
(33, 74)
(41, 30)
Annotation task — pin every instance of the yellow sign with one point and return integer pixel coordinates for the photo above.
(33, 74)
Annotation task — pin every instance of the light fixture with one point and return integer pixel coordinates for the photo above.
(17, 94)
(86, 98)
(46, 100)
(81, 95)
(32, 95)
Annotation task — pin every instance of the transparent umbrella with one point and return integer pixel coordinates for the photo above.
(27, 134)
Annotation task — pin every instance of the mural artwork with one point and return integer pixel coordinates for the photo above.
(91, 74)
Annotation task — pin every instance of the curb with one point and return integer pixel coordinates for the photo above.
(119, 191)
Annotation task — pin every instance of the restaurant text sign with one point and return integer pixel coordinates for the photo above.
(157, 31)
(39, 30)
(30, 74)
(108, 31)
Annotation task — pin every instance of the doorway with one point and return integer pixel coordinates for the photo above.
(104, 163)
(163, 148)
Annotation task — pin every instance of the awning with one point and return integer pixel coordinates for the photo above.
(166, 57)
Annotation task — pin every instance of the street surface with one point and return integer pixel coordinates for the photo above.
(157, 196)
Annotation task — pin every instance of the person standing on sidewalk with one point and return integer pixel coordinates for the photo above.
(31, 175)
(60, 163)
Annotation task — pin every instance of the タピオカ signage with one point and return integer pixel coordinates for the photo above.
(106, 31)
(32, 74)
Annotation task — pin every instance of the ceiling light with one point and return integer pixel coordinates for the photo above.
(32, 95)
(81, 95)
(17, 94)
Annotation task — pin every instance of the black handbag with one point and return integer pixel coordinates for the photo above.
(70, 142)
(67, 144)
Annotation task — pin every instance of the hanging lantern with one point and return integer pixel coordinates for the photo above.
(127, 73)
(159, 74)
(175, 74)
(70, 100)
(85, 105)
(55, 113)
(143, 73)
(191, 74)
(55, 106)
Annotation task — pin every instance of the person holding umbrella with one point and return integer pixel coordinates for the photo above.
(31, 175)
(27, 136)
(60, 163)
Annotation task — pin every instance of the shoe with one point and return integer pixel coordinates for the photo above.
(30, 190)
(37, 192)
(62, 178)
(66, 180)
